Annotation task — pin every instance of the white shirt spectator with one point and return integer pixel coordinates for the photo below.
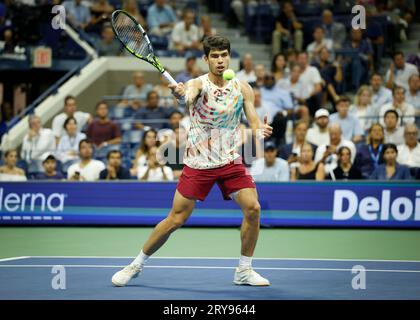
(181, 35)
(247, 77)
(381, 97)
(68, 147)
(350, 125)
(90, 172)
(402, 75)
(331, 161)
(316, 137)
(396, 137)
(327, 43)
(58, 122)
(409, 157)
(155, 174)
(414, 100)
(298, 89)
(309, 78)
(266, 108)
(279, 171)
(12, 177)
(34, 149)
(406, 113)
(366, 116)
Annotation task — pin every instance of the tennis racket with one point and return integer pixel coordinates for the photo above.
(135, 40)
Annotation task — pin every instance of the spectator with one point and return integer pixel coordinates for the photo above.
(70, 110)
(362, 108)
(335, 31)
(409, 152)
(369, 155)
(260, 75)
(380, 94)
(134, 94)
(108, 45)
(154, 171)
(9, 171)
(394, 133)
(297, 89)
(101, 12)
(247, 73)
(102, 131)
(279, 67)
(77, 13)
(288, 30)
(166, 98)
(265, 108)
(318, 134)
(270, 168)
(36, 142)
(320, 42)
(114, 169)
(174, 150)
(87, 169)
(132, 8)
(405, 111)
(8, 44)
(391, 170)
(307, 169)
(206, 30)
(399, 72)
(274, 94)
(152, 111)
(50, 169)
(190, 71)
(327, 153)
(161, 18)
(412, 95)
(345, 169)
(185, 35)
(68, 147)
(414, 59)
(312, 80)
(148, 141)
(349, 124)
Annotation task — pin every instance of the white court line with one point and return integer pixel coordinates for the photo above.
(14, 258)
(222, 258)
(201, 267)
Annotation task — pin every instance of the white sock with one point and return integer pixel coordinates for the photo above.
(245, 262)
(140, 259)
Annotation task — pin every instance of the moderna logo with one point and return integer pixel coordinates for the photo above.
(347, 204)
(13, 202)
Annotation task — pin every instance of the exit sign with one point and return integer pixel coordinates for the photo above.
(42, 57)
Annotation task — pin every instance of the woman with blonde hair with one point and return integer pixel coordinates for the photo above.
(363, 108)
(307, 168)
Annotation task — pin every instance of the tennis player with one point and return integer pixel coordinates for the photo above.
(215, 106)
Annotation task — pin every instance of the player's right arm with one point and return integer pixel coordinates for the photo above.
(186, 93)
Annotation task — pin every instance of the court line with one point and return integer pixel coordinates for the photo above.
(14, 258)
(224, 258)
(203, 267)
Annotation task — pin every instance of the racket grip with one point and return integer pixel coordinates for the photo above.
(169, 78)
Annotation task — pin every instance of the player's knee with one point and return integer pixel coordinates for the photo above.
(252, 211)
(177, 219)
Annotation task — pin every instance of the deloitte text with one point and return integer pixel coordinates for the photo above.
(13, 202)
(347, 204)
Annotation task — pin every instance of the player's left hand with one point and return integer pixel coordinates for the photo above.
(267, 129)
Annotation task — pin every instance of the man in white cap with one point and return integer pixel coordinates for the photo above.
(318, 134)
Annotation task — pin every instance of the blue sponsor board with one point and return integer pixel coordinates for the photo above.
(327, 204)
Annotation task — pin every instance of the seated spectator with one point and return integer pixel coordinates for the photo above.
(152, 111)
(185, 35)
(327, 153)
(206, 30)
(306, 168)
(148, 141)
(247, 72)
(394, 133)
(50, 165)
(349, 124)
(414, 58)
(412, 95)
(279, 67)
(318, 134)
(399, 72)
(380, 94)
(70, 110)
(108, 45)
(259, 75)
(288, 31)
(101, 12)
(173, 151)
(345, 169)
(405, 110)
(270, 168)
(161, 18)
(296, 87)
(68, 147)
(166, 98)
(274, 94)
(369, 154)
(190, 71)
(9, 171)
(363, 109)
(8, 45)
(77, 13)
(134, 94)
(102, 131)
(154, 171)
(36, 142)
(409, 152)
(319, 43)
(87, 169)
(335, 31)
(114, 170)
(390, 169)
(263, 108)
(132, 8)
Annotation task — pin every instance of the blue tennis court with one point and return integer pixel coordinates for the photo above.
(207, 279)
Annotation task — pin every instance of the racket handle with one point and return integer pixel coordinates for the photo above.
(169, 78)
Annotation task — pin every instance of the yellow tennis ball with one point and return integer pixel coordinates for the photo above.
(229, 74)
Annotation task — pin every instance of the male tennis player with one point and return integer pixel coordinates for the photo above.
(215, 107)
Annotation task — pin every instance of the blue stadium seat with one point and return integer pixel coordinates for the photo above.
(135, 136)
(159, 43)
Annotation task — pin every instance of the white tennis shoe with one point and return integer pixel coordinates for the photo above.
(122, 277)
(247, 276)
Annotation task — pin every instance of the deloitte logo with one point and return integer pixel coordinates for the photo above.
(13, 202)
(347, 204)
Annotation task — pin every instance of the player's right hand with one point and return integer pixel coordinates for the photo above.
(178, 90)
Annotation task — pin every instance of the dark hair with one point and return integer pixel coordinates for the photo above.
(387, 146)
(175, 112)
(392, 111)
(68, 120)
(112, 152)
(397, 53)
(215, 43)
(69, 97)
(342, 99)
(6, 154)
(100, 103)
(298, 123)
(150, 93)
(376, 74)
(143, 147)
(397, 88)
(273, 62)
(84, 141)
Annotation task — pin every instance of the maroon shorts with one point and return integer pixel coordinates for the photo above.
(197, 183)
